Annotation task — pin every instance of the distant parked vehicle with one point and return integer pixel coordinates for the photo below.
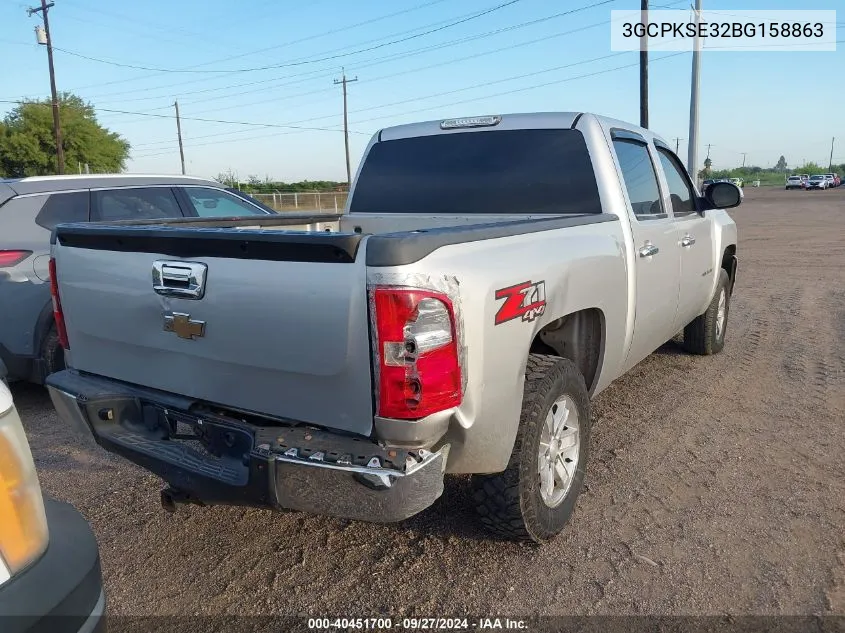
(832, 180)
(737, 181)
(30, 208)
(795, 182)
(818, 181)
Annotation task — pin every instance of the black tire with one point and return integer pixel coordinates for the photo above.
(52, 353)
(702, 336)
(509, 503)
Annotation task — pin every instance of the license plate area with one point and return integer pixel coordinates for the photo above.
(219, 439)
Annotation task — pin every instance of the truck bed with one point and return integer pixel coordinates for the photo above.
(281, 325)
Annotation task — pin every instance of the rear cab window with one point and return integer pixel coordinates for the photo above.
(531, 171)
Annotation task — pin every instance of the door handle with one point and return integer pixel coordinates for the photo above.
(687, 241)
(185, 280)
(648, 250)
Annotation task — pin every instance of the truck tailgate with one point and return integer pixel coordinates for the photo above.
(275, 329)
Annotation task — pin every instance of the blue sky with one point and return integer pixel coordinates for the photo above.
(514, 59)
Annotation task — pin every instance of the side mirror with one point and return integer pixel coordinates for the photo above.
(723, 195)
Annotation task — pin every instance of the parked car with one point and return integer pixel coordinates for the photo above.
(49, 560)
(831, 180)
(32, 207)
(817, 182)
(490, 275)
(795, 182)
(737, 181)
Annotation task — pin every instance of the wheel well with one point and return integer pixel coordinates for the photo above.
(576, 336)
(729, 264)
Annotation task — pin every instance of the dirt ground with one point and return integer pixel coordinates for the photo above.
(716, 485)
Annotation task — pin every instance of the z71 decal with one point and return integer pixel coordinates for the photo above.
(526, 301)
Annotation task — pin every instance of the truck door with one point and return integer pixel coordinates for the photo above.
(657, 266)
(694, 240)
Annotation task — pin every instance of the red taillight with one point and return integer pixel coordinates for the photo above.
(419, 366)
(58, 315)
(12, 258)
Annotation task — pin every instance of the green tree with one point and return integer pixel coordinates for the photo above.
(28, 148)
(781, 165)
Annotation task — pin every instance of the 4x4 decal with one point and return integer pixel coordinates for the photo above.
(526, 300)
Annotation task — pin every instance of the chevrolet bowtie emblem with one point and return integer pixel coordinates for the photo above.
(183, 325)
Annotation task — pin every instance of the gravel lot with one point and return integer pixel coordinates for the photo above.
(717, 485)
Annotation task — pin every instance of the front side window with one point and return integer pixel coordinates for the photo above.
(137, 203)
(215, 203)
(680, 189)
(640, 179)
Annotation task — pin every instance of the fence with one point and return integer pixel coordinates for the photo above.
(328, 201)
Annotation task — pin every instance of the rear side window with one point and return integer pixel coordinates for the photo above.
(640, 179)
(142, 203)
(506, 171)
(63, 207)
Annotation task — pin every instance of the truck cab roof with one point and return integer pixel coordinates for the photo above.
(511, 121)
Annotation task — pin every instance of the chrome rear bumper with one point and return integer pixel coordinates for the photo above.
(293, 468)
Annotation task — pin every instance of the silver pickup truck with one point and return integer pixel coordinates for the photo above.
(488, 276)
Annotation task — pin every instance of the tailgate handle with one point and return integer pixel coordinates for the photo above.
(185, 280)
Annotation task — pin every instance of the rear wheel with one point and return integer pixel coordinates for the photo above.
(705, 335)
(534, 497)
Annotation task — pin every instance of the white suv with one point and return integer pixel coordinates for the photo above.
(794, 182)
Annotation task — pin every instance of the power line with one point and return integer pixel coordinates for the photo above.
(247, 123)
(514, 91)
(407, 54)
(188, 118)
(381, 77)
(382, 60)
(330, 32)
(405, 72)
(457, 90)
(194, 70)
(524, 89)
(374, 61)
(474, 86)
(325, 33)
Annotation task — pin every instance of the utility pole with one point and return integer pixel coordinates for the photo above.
(644, 66)
(692, 157)
(343, 82)
(179, 134)
(57, 126)
(678, 144)
(830, 162)
(743, 158)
